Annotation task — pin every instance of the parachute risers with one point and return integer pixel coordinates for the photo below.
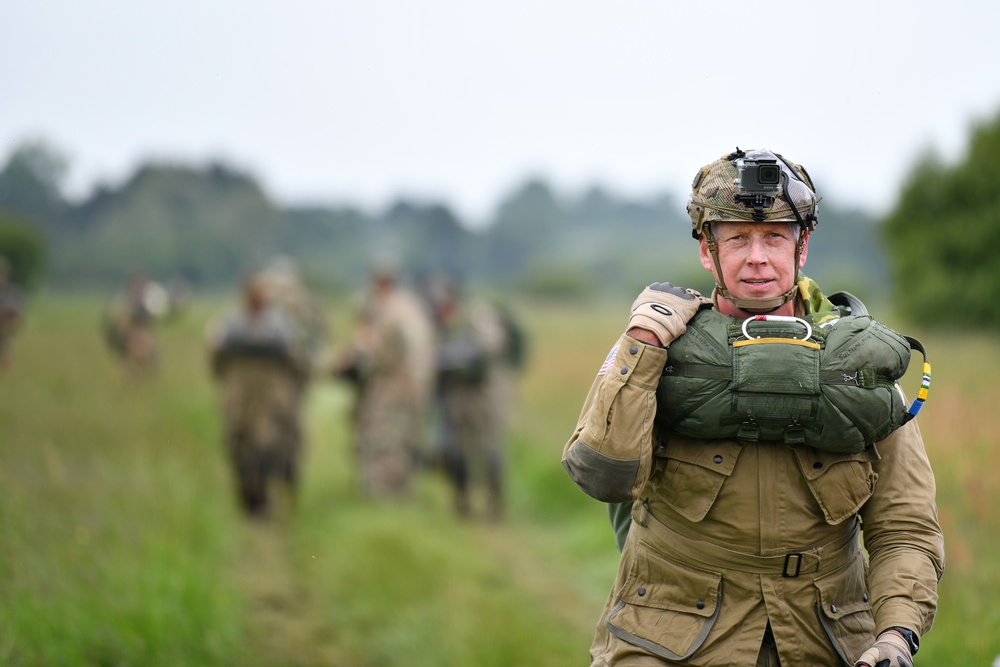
(831, 385)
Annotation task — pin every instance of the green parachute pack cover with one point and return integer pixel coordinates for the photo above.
(831, 385)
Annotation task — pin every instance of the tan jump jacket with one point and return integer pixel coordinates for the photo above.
(729, 537)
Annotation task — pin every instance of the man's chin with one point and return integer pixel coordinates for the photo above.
(748, 301)
(759, 296)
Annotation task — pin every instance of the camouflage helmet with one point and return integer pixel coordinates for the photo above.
(719, 192)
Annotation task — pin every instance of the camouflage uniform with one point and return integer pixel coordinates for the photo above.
(262, 370)
(391, 360)
(287, 290)
(129, 325)
(473, 393)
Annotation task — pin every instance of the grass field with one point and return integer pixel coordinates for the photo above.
(120, 543)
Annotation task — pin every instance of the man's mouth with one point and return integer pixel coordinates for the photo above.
(758, 287)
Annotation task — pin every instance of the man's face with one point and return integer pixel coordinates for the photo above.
(757, 259)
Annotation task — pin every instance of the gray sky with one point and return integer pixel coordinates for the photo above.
(460, 101)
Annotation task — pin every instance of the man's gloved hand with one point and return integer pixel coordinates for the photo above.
(890, 650)
(665, 309)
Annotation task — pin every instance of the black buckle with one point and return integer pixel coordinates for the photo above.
(798, 565)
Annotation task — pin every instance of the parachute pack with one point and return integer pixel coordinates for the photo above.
(831, 383)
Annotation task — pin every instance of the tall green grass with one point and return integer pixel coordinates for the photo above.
(961, 428)
(121, 544)
(410, 584)
(113, 520)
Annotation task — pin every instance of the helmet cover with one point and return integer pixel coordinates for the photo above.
(715, 190)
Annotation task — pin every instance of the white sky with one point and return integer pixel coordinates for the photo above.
(460, 101)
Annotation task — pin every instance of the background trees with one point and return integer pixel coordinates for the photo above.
(209, 224)
(24, 249)
(944, 235)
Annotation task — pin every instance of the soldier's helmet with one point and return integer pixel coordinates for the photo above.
(752, 186)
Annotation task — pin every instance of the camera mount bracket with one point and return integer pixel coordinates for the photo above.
(757, 202)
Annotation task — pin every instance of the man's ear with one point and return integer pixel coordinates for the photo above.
(805, 248)
(705, 254)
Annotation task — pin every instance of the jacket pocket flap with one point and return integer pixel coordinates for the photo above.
(840, 483)
(834, 611)
(693, 472)
(664, 607)
(716, 455)
(657, 582)
(815, 463)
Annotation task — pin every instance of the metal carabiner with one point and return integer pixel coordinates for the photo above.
(776, 318)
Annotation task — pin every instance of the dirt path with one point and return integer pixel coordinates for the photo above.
(284, 626)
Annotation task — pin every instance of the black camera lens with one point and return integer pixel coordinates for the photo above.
(769, 174)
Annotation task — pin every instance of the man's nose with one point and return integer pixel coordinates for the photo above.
(758, 253)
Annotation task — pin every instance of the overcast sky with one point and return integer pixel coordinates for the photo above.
(460, 101)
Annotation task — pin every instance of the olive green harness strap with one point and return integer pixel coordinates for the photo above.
(862, 377)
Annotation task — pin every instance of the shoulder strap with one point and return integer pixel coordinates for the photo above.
(846, 300)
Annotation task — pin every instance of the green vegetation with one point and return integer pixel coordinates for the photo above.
(208, 224)
(114, 533)
(945, 232)
(961, 436)
(22, 247)
(121, 543)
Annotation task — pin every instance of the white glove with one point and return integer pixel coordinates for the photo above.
(665, 309)
(889, 650)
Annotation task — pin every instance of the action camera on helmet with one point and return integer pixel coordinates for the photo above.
(758, 176)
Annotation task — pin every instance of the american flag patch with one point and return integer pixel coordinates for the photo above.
(609, 362)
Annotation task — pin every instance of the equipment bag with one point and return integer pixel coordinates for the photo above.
(832, 386)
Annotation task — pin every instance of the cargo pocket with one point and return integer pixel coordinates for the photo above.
(840, 483)
(845, 612)
(664, 607)
(693, 473)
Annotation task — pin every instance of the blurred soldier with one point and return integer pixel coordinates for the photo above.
(391, 362)
(129, 324)
(475, 364)
(261, 366)
(10, 311)
(289, 292)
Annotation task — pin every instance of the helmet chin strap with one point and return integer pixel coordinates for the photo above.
(753, 306)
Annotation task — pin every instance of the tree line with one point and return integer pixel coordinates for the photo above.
(209, 224)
